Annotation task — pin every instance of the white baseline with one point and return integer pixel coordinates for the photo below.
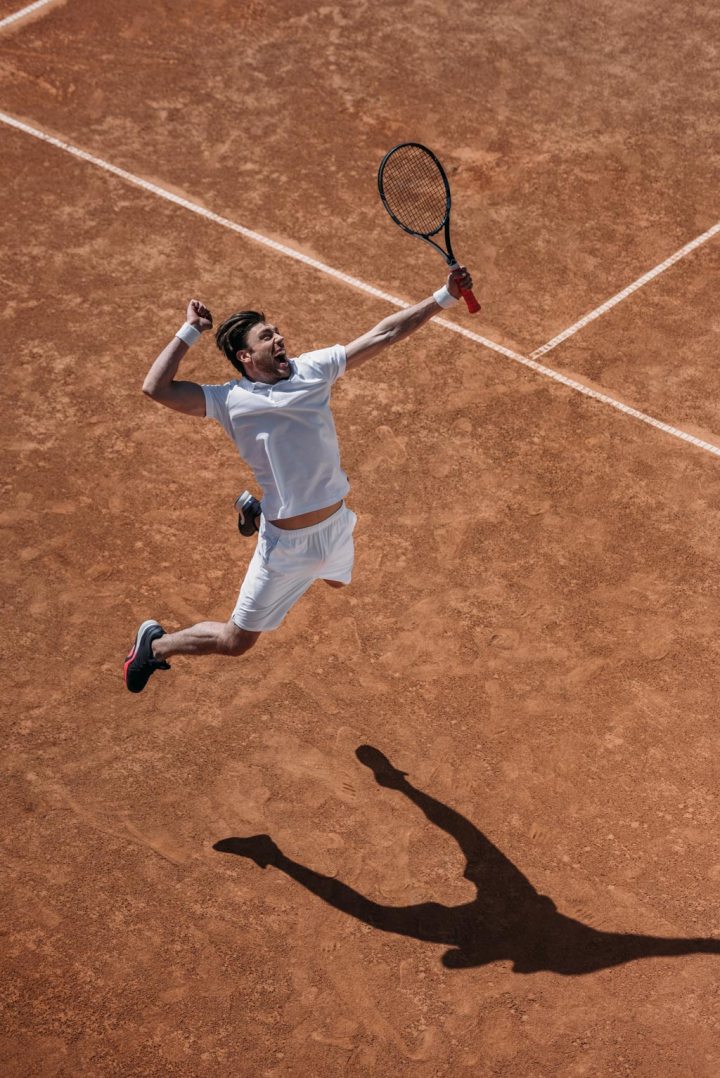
(354, 282)
(23, 13)
(609, 303)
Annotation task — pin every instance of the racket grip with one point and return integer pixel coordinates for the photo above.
(472, 304)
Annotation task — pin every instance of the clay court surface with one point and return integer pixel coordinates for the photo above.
(531, 633)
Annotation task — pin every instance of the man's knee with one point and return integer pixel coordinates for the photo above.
(236, 641)
(335, 583)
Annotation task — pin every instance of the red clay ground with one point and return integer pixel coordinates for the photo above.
(540, 657)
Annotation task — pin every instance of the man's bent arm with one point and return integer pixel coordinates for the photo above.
(160, 384)
(396, 327)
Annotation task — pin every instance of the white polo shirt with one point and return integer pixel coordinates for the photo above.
(286, 433)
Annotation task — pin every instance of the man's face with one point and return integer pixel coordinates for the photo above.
(264, 357)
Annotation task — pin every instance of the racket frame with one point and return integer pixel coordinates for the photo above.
(444, 225)
(445, 222)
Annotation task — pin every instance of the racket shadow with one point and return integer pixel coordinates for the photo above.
(507, 921)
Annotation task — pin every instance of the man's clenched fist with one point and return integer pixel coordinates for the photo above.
(198, 315)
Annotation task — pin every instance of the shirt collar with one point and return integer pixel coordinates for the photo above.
(265, 387)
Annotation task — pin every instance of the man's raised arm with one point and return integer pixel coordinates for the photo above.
(160, 384)
(399, 326)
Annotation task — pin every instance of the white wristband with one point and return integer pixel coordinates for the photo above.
(444, 297)
(187, 333)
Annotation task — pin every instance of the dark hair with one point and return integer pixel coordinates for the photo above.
(231, 335)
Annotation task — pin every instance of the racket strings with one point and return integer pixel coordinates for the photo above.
(414, 190)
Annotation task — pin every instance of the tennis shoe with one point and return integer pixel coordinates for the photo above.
(140, 664)
(249, 510)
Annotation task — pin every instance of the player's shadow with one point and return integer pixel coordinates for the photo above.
(508, 920)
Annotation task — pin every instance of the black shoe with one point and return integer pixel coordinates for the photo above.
(140, 664)
(249, 510)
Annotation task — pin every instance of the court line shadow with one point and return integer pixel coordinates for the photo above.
(508, 920)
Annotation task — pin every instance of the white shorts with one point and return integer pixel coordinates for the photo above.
(286, 563)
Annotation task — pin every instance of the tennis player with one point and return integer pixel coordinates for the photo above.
(277, 412)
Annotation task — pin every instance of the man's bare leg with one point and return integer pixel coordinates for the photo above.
(205, 638)
(153, 646)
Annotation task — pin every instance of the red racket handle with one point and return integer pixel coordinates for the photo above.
(472, 304)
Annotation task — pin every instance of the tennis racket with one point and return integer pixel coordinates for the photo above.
(415, 191)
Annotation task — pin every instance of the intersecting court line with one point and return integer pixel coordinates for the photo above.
(23, 13)
(354, 282)
(608, 304)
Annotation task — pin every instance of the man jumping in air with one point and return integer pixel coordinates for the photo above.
(277, 412)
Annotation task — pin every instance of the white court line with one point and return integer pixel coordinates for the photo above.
(355, 282)
(248, 233)
(608, 304)
(23, 13)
